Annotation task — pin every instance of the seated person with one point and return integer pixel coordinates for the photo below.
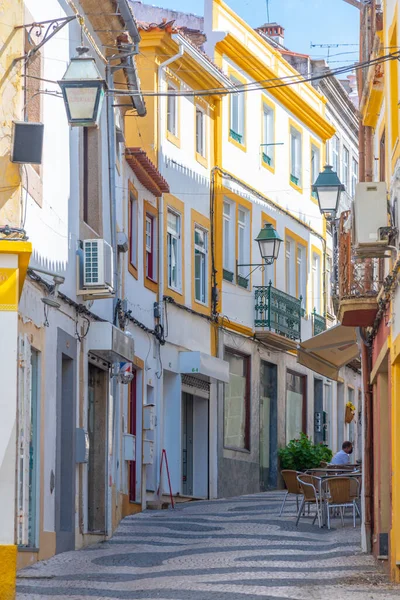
(343, 456)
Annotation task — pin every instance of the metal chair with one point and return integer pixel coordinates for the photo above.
(292, 486)
(339, 493)
(311, 489)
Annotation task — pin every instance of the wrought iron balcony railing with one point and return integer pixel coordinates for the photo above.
(357, 277)
(319, 323)
(278, 311)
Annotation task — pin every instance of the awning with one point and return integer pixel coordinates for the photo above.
(327, 352)
(146, 172)
(110, 343)
(199, 363)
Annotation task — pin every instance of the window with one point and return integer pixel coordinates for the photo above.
(229, 239)
(268, 136)
(200, 265)
(296, 407)
(200, 132)
(172, 110)
(295, 156)
(316, 282)
(335, 154)
(150, 248)
(354, 176)
(346, 166)
(237, 402)
(290, 274)
(302, 273)
(315, 166)
(92, 213)
(328, 284)
(174, 250)
(243, 243)
(237, 113)
(133, 229)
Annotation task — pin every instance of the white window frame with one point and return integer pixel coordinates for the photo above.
(238, 105)
(268, 132)
(174, 235)
(296, 156)
(316, 282)
(315, 165)
(150, 249)
(301, 254)
(290, 268)
(201, 145)
(172, 109)
(354, 176)
(336, 154)
(243, 236)
(346, 167)
(133, 241)
(203, 253)
(229, 238)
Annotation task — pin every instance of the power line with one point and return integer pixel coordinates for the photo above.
(263, 84)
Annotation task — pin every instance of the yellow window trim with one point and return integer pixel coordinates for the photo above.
(133, 269)
(150, 284)
(299, 129)
(179, 207)
(318, 251)
(265, 218)
(171, 79)
(246, 204)
(202, 160)
(242, 203)
(298, 240)
(232, 72)
(318, 145)
(267, 102)
(203, 222)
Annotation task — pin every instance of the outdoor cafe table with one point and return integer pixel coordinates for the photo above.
(329, 474)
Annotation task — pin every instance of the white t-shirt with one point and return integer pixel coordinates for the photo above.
(341, 458)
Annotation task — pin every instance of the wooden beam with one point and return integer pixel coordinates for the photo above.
(355, 3)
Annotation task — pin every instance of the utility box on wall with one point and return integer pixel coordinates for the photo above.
(129, 446)
(148, 452)
(370, 215)
(27, 143)
(149, 417)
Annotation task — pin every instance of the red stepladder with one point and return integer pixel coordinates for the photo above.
(164, 456)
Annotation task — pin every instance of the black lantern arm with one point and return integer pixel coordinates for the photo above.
(267, 262)
(53, 27)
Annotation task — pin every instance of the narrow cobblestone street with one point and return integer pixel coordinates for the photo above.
(235, 549)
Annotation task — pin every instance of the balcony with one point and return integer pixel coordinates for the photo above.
(277, 317)
(359, 281)
(319, 323)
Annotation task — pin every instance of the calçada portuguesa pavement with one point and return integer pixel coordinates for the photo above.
(235, 549)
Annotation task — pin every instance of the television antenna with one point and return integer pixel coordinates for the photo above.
(329, 46)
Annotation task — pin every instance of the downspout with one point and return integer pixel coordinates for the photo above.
(113, 227)
(161, 258)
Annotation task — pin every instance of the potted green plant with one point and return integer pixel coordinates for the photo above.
(302, 454)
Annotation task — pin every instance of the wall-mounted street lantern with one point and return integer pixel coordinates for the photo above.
(269, 244)
(328, 188)
(83, 90)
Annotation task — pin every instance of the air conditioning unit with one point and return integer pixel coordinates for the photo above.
(97, 264)
(370, 219)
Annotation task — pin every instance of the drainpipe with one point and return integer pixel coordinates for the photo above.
(161, 258)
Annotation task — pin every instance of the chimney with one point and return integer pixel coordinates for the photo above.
(274, 31)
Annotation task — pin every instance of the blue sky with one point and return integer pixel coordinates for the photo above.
(305, 21)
